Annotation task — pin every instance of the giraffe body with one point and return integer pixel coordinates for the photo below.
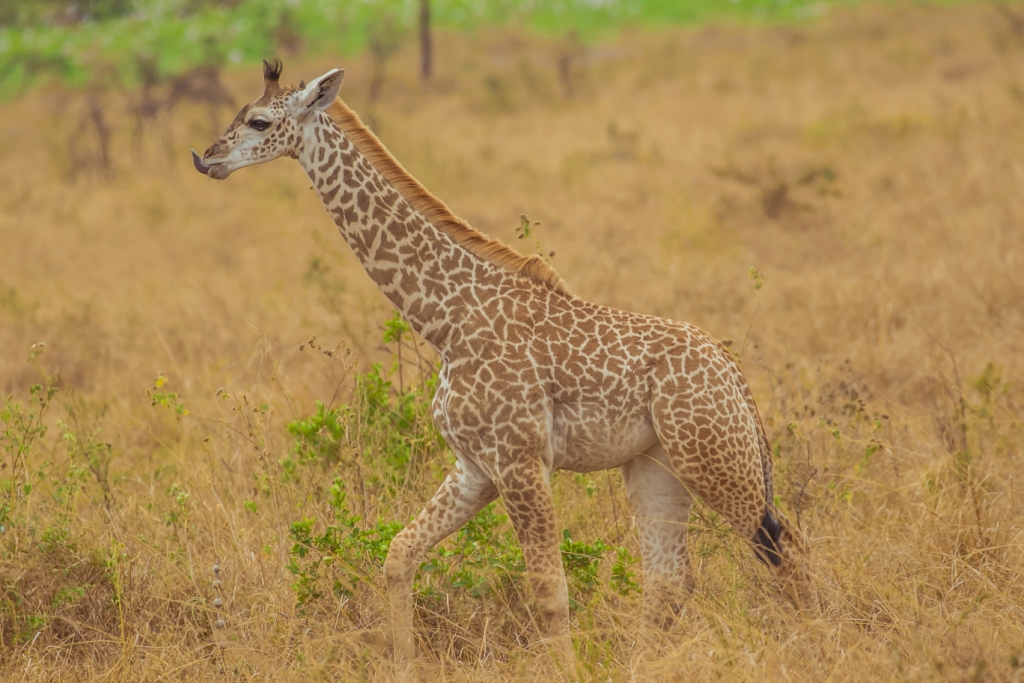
(533, 378)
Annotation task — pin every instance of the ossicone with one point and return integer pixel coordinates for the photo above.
(271, 76)
(272, 70)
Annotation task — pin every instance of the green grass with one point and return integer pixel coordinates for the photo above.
(110, 52)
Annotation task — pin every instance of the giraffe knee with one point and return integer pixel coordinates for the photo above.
(401, 561)
(554, 613)
(551, 593)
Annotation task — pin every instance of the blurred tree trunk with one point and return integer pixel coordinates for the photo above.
(426, 49)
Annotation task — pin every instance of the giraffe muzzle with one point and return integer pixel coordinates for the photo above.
(198, 163)
(216, 171)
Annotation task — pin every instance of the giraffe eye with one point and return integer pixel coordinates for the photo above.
(259, 124)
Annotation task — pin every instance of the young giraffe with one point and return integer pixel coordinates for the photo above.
(534, 379)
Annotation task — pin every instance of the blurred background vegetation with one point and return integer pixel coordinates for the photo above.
(127, 42)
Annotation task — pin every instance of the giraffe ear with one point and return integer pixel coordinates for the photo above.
(321, 91)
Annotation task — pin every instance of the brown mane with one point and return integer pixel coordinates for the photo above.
(433, 209)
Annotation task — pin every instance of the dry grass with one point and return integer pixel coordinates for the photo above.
(871, 166)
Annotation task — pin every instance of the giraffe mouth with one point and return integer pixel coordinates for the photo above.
(218, 171)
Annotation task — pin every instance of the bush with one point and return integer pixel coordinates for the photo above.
(382, 431)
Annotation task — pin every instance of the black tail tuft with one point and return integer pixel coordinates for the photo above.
(766, 540)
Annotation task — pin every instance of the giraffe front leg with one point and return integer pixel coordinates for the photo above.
(526, 491)
(662, 507)
(464, 492)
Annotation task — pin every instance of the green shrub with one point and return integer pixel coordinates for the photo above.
(383, 437)
(382, 426)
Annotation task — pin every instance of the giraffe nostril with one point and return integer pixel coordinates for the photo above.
(212, 150)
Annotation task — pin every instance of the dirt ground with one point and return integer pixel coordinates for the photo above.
(868, 165)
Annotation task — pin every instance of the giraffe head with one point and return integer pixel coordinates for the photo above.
(270, 127)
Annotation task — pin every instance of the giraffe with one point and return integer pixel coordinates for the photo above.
(533, 378)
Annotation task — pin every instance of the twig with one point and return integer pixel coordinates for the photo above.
(800, 496)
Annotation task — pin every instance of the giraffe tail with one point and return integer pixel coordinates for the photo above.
(767, 541)
(764, 445)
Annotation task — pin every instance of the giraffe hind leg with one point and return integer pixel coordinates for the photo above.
(662, 507)
(717, 454)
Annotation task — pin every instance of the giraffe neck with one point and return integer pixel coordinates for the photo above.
(434, 281)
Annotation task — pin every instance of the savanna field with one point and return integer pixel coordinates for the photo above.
(214, 423)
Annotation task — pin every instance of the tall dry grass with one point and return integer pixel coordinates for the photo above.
(869, 166)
